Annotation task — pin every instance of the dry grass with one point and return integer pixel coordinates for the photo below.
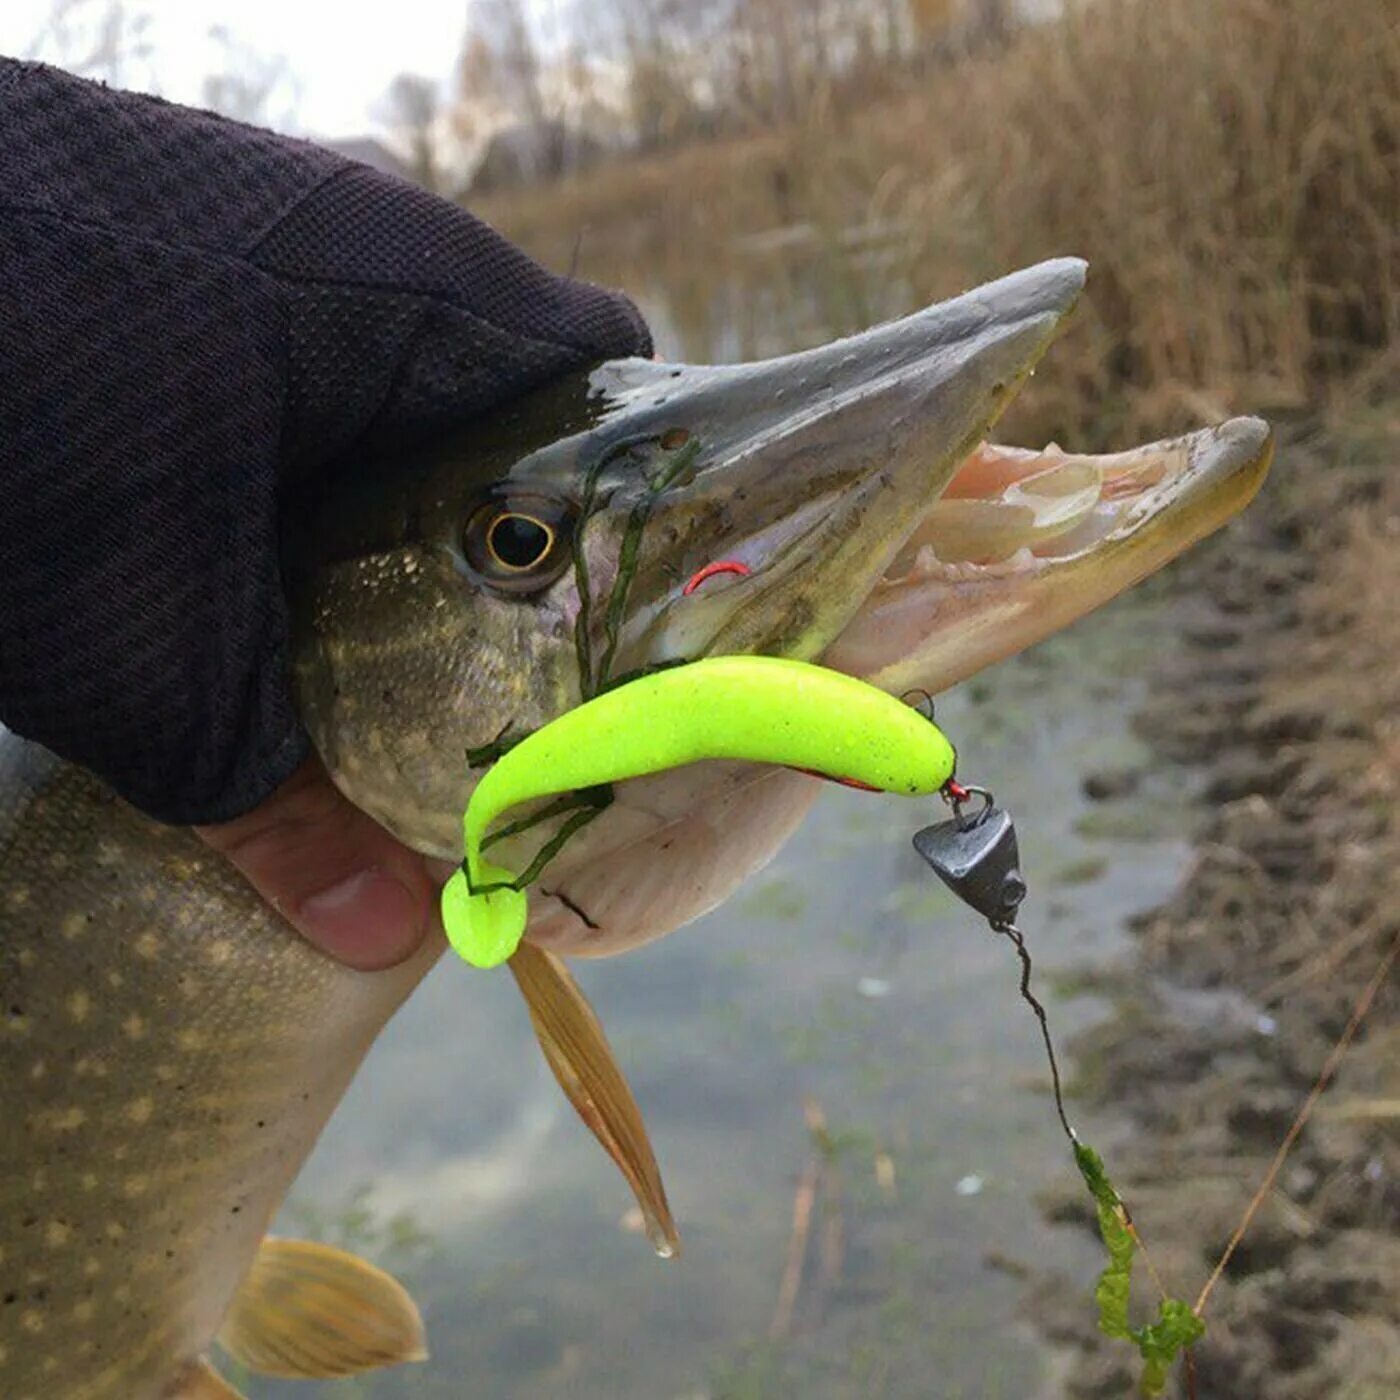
(1231, 168)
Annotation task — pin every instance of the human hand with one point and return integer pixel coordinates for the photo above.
(333, 872)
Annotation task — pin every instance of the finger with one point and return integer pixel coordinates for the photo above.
(343, 881)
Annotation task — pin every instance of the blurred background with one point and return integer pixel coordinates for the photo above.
(765, 172)
(847, 1099)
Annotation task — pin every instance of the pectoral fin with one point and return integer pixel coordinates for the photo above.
(200, 1381)
(307, 1310)
(578, 1052)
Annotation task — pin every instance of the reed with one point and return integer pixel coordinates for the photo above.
(1231, 169)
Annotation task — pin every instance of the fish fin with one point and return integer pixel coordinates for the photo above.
(578, 1052)
(308, 1310)
(200, 1381)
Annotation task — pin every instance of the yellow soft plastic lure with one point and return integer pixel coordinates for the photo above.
(760, 708)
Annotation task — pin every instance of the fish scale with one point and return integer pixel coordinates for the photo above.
(170, 1049)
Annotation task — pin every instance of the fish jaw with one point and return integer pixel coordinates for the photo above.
(941, 613)
(677, 846)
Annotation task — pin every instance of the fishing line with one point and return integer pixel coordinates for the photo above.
(1028, 996)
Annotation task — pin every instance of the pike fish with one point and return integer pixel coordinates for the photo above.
(170, 1049)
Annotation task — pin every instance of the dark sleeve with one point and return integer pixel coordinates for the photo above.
(191, 311)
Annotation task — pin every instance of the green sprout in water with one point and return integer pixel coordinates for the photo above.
(1176, 1327)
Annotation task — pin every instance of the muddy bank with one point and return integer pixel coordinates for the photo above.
(1285, 691)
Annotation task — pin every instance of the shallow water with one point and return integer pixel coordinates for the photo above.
(532, 1284)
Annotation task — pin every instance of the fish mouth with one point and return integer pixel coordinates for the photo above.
(840, 505)
(906, 550)
(1021, 542)
(848, 508)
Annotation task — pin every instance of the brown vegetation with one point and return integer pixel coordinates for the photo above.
(1231, 168)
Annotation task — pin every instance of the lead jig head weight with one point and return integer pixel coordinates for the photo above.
(976, 856)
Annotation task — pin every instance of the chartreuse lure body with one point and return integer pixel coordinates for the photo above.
(758, 708)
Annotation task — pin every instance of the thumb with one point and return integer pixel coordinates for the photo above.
(343, 881)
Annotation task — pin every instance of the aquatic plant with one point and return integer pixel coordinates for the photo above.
(1176, 1328)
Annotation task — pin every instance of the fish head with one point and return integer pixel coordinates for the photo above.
(836, 505)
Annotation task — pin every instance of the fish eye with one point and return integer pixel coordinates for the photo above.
(518, 544)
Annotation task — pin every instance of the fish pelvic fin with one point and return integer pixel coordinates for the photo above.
(200, 1381)
(577, 1050)
(309, 1311)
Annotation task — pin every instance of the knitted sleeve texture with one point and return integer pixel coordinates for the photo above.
(194, 314)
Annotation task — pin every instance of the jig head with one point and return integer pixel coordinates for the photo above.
(975, 855)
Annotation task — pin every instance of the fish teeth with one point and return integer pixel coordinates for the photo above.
(927, 566)
(926, 562)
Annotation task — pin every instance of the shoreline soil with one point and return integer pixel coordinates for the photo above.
(1286, 692)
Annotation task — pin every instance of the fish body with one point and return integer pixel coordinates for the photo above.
(170, 1049)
